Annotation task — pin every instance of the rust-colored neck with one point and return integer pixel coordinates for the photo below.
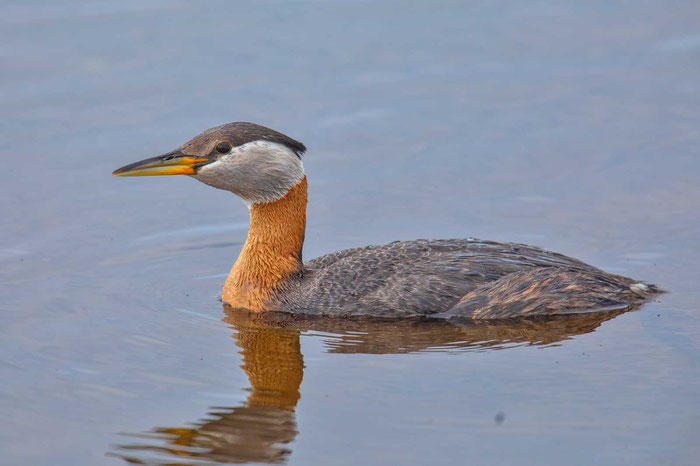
(271, 253)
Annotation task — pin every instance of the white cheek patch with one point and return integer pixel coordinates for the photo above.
(257, 172)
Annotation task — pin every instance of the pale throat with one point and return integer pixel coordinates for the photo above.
(272, 251)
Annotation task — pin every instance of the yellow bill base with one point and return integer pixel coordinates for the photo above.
(176, 166)
(154, 171)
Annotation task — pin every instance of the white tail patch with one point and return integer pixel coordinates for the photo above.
(640, 289)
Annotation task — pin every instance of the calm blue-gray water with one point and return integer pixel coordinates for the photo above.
(574, 126)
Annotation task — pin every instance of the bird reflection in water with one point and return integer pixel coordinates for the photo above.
(262, 428)
(258, 430)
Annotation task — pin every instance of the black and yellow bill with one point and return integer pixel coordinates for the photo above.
(172, 163)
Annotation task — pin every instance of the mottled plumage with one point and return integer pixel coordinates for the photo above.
(454, 278)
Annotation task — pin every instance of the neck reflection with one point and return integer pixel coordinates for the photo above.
(262, 428)
(258, 430)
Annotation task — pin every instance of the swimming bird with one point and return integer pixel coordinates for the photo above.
(445, 278)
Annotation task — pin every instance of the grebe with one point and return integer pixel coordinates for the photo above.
(461, 278)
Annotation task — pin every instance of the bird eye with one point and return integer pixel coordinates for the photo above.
(223, 147)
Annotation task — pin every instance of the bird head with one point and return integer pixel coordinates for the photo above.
(256, 163)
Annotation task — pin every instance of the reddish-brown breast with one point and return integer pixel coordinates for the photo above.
(272, 251)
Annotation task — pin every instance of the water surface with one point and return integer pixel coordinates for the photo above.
(570, 126)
